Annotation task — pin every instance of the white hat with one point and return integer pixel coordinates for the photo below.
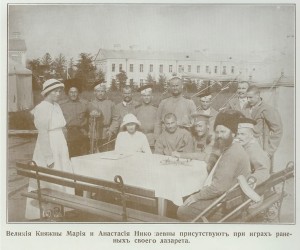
(51, 84)
(130, 118)
(100, 86)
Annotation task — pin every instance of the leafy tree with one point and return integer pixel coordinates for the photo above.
(86, 70)
(114, 86)
(100, 76)
(121, 78)
(162, 83)
(150, 79)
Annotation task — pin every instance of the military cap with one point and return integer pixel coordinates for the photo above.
(199, 116)
(100, 86)
(205, 94)
(146, 89)
(245, 122)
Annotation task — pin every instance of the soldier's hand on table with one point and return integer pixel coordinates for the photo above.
(175, 154)
(192, 199)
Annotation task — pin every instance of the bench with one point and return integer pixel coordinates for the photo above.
(236, 206)
(116, 209)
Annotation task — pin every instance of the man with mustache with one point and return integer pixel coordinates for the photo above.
(232, 162)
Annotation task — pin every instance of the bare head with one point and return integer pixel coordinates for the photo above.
(253, 95)
(170, 122)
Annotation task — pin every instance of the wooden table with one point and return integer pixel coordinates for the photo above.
(170, 181)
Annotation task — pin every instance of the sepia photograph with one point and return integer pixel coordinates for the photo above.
(130, 125)
(150, 113)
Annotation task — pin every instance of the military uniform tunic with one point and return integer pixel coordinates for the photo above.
(146, 114)
(111, 121)
(124, 108)
(239, 105)
(180, 106)
(180, 141)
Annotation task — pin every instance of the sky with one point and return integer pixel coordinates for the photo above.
(213, 29)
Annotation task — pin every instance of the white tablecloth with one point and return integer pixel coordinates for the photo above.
(170, 182)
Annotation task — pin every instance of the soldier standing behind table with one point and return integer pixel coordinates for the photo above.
(206, 108)
(146, 114)
(176, 104)
(239, 101)
(75, 112)
(128, 105)
(268, 128)
(100, 105)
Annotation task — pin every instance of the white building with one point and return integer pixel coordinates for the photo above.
(138, 64)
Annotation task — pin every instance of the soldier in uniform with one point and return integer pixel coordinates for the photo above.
(205, 107)
(240, 100)
(232, 162)
(268, 128)
(173, 138)
(75, 112)
(176, 104)
(127, 106)
(100, 105)
(259, 160)
(202, 139)
(146, 114)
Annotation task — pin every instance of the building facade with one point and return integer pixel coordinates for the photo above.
(139, 64)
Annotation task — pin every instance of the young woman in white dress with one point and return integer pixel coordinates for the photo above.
(51, 147)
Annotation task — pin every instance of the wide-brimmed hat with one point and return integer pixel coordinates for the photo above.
(130, 118)
(51, 84)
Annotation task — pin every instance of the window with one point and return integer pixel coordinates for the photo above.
(161, 68)
(151, 68)
(232, 69)
(224, 70)
(180, 68)
(189, 68)
(141, 67)
(113, 67)
(198, 69)
(120, 67)
(170, 68)
(216, 69)
(207, 69)
(131, 67)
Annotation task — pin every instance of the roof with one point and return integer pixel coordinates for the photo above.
(150, 55)
(17, 68)
(17, 45)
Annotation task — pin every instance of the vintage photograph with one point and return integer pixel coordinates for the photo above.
(151, 113)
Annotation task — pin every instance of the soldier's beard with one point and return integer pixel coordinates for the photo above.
(222, 144)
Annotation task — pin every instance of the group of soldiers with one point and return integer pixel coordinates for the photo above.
(239, 139)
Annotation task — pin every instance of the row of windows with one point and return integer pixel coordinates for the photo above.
(180, 68)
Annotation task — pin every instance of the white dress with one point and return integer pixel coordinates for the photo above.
(51, 147)
(132, 143)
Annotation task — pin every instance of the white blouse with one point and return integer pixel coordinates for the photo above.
(131, 143)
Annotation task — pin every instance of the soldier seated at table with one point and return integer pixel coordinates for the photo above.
(75, 112)
(173, 138)
(131, 140)
(233, 162)
(202, 139)
(259, 160)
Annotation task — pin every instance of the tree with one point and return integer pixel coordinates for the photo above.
(86, 71)
(162, 83)
(100, 76)
(59, 66)
(150, 79)
(47, 63)
(121, 78)
(114, 86)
